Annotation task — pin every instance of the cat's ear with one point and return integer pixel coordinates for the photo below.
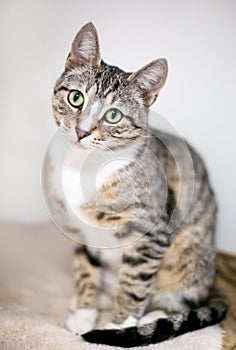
(150, 79)
(85, 49)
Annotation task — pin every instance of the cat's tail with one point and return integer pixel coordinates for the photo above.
(213, 311)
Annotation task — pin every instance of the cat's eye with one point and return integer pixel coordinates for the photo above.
(113, 116)
(76, 98)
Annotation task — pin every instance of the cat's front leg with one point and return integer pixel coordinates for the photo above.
(139, 268)
(87, 274)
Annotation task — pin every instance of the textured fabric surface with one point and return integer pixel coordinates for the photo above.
(226, 278)
(36, 284)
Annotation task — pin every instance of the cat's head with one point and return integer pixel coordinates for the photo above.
(101, 105)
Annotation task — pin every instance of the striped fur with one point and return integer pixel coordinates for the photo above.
(212, 312)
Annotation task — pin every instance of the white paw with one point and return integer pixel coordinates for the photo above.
(152, 316)
(129, 322)
(82, 320)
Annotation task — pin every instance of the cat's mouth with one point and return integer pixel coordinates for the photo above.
(82, 142)
(81, 133)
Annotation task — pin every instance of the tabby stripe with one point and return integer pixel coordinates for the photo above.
(126, 283)
(94, 261)
(79, 249)
(151, 247)
(100, 215)
(170, 203)
(80, 281)
(61, 88)
(163, 244)
(113, 218)
(86, 303)
(183, 267)
(130, 260)
(151, 256)
(135, 296)
(144, 276)
(122, 234)
(85, 275)
(157, 233)
(86, 286)
(151, 234)
(150, 252)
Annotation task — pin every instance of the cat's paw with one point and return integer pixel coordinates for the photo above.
(82, 320)
(129, 322)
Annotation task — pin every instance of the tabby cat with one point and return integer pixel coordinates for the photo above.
(159, 275)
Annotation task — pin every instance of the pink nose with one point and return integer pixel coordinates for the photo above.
(81, 133)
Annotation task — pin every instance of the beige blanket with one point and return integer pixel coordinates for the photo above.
(36, 283)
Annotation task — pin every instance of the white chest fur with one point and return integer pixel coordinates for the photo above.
(84, 173)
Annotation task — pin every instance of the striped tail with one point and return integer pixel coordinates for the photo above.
(213, 311)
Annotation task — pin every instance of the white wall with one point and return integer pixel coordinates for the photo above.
(197, 38)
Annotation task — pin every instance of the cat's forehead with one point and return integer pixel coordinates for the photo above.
(76, 78)
(109, 79)
(107, 84)
(112, 89)
(104, 81)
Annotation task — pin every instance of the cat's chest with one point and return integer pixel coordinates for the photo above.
(87, 176)
(84, 175)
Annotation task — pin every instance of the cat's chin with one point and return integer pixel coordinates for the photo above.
(79, 146)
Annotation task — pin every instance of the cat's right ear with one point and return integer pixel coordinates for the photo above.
(85, 49)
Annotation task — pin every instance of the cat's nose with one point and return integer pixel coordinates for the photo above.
(81, 133)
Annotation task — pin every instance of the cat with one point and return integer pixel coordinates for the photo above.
(161, 283)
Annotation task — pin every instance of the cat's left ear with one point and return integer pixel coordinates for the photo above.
(150, 79)
(85, 50)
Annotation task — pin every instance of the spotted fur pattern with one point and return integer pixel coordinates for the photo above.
(171, 264)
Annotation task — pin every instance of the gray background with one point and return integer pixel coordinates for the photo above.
(197, 38)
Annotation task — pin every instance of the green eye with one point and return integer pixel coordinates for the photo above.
(76, 98)
(113, 116)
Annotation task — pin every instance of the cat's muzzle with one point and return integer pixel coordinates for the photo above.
(81, 133)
